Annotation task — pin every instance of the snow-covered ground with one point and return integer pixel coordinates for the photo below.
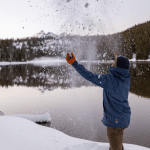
(17, 133)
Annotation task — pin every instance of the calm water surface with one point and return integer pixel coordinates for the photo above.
(75, 105)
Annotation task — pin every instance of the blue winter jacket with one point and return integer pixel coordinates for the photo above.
(116, 86)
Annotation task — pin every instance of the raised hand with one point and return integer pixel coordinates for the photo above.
(70, 60)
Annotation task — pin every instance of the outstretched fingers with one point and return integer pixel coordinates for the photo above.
(73, 55)
(67, 55)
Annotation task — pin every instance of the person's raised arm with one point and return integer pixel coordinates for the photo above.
(98, 79)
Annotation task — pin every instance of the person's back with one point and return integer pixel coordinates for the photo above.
(115, 98)
(116, 86)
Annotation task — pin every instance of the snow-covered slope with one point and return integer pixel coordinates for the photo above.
(21, 134)
(42, 34)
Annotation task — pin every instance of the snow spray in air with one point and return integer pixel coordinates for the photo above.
(80, 20)
(76, 22)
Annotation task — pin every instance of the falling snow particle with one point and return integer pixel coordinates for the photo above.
(99, 76)
(86, 5)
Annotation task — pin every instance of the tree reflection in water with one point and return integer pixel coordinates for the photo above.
(64, 76)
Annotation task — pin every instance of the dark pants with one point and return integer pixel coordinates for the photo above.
(115, 137)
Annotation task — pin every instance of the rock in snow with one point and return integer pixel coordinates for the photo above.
(21, 134)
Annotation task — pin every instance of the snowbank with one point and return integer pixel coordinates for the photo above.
(35, 118)
(21, 134)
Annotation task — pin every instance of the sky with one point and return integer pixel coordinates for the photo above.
(24, 18)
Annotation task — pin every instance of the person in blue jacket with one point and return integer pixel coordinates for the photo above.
(116, 86)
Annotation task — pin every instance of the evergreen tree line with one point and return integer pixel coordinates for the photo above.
(134, 40)
(137, 40)
(26, 49)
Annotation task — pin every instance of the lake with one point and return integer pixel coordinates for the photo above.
(75, 105)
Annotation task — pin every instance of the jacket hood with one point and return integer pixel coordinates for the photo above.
(121, 72)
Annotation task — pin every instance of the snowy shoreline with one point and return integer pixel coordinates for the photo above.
(21, 134)
(60, 61)
(35, 118)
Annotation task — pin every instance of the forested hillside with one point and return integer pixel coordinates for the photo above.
(29, 48)
(135, 40)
